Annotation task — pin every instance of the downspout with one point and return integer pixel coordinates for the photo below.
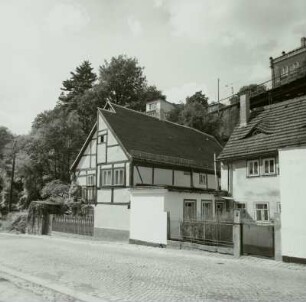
(215, 168)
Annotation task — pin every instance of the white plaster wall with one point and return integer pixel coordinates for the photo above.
(101, 153)
(93, 145)
(92, 161)
(252, 190)
(111, 140)
(104, 195)
(115, 154)
(293, 201)
(84, 162)
(81, 180)
(211, 182)
(162, 177)
(121, 195)
(196, 181)
(148, 219)
(224, 177)
(181, 179)
(146, 175)
(127, 174)
(115, 217)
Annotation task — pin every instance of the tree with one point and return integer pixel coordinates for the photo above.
(198, 98)
(5, 137)
(251, 89)
(124, 83)
(81, 80)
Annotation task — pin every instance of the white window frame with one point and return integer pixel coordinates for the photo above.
(119, 176)
(262, 212)
(269, 170)
(202, 179)
(102, 137)
(278, 207)
(106, 177)
(253, 164)
(90, 180)
(153, 106)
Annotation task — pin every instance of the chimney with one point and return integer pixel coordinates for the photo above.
(244, 109)
(303, 42)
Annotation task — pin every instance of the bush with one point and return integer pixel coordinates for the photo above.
(15, 222)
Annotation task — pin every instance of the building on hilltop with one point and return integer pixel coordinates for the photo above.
(159, 108)
(289, 66)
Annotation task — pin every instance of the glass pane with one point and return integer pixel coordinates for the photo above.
(121, 178)
(250, 168)
(258, 215)
(271, 166)
(266, 215)
(266, 166)
(255, 168)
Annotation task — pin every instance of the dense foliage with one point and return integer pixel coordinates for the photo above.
(40, 161)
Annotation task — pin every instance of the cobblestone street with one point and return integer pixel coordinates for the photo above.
(122, 272)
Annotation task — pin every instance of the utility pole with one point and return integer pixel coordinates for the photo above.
(12, 178)
(218, 95)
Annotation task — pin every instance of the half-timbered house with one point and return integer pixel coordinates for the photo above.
(145, 175)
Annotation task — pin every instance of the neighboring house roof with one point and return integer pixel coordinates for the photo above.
(269, 129)
(148, 139)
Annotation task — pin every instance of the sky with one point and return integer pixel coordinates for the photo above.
(184, 45)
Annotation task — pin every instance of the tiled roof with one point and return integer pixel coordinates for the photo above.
(269, 129)
(149, 139)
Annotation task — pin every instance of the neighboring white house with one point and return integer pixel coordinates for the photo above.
(145, 175)
(159, 108)
(263, 168)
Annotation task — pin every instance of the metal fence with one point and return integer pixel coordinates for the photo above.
(218, 233)
(81, 225)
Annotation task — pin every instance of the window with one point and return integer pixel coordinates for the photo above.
(102, 139)
(207, 210)
(284, 71)
(190, 210)
(90, 181)
(90, 194)
(106, 177)
(240, 205)
(152, 106)
(269, 166)
(119, 176)
(202, 179)
(278, 207)
(262, 212)
(253, 167)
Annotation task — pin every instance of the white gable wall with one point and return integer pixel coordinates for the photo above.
(293, 201)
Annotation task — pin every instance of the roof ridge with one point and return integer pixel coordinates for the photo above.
(166, 121)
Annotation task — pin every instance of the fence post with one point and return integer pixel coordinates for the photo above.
(277, 237)
(237, 234)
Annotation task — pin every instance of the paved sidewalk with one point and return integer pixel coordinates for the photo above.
(14, 289)
(122, 272)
